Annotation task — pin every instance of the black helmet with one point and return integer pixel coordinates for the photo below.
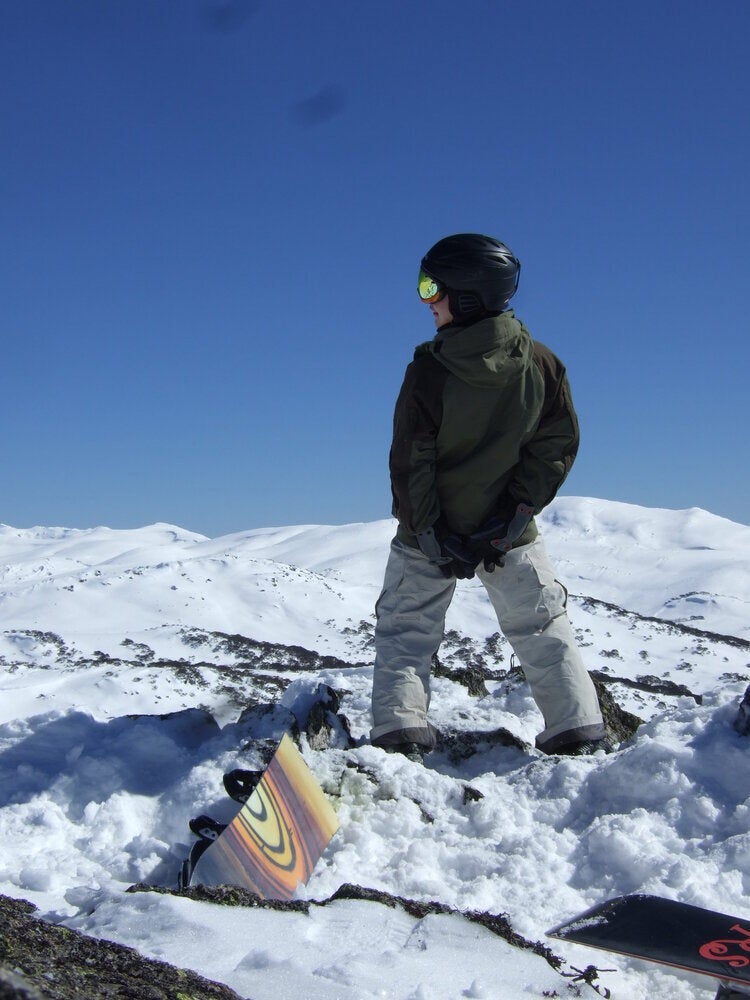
(480, 273)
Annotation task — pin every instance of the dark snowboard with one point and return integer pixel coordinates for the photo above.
(666, 931)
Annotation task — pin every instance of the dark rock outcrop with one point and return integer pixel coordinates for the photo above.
(41, 961)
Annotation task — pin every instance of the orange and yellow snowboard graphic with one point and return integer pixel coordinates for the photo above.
(274, 842)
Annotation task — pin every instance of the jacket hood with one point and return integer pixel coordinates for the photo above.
(494, 352)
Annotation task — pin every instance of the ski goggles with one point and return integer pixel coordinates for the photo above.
(429, 288)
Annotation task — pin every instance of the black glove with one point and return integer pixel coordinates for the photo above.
(496, 537)
(464, 557)
(454, 554)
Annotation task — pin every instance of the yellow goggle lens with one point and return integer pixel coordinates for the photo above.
(429, 289)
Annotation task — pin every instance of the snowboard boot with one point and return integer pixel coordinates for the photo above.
(412, 751)
(581, 748)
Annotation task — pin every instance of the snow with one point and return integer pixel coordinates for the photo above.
(104, 632)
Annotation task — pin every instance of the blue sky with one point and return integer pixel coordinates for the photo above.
(213, 213)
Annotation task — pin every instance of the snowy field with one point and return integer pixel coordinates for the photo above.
(104, 633)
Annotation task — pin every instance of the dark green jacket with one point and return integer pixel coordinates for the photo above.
(483, 421)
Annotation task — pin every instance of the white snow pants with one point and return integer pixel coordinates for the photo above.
(530, 607)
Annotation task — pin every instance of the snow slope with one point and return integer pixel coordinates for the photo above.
(103, 633)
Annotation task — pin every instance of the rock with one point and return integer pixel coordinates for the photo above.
(742, 720)
(41, 961)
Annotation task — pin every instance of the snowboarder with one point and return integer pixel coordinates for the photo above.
(484, 435)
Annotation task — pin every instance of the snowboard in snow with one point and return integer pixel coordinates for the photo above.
(669, 932)
(276, 839)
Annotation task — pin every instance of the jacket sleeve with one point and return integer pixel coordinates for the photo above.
(416, 422)
(548, 456)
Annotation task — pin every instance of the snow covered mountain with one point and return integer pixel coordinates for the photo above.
(104, 633)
